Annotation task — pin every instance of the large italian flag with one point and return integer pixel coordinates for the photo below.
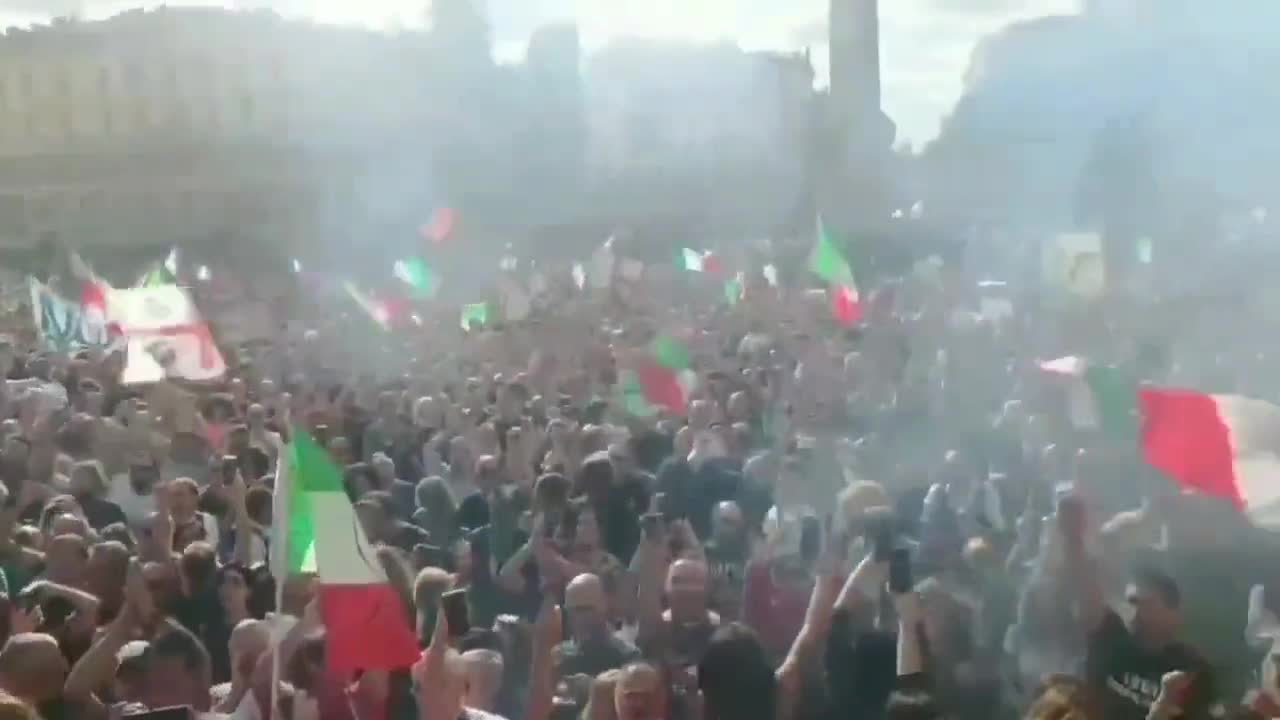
(366, 627)
(1219, 445)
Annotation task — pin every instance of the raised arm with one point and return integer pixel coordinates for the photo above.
(546, 635)
(817, 624)
(1082, 571)
(650, 563)
(911, 658)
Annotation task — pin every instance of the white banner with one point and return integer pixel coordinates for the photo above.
(166, 335)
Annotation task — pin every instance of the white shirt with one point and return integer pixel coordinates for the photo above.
(137, 508)
(782, 527)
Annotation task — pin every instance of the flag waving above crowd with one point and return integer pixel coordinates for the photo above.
(366, 627)
(165, 335)
(65, 325)
(374, 440)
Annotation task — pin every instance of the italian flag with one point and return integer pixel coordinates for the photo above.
(421, 279)
(701, 262)
(664, 378)
(827, 262)
(377, 310)
(1099, 397)
(366, 626)
(1224, 446)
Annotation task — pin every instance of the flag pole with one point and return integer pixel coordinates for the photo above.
(278, 558)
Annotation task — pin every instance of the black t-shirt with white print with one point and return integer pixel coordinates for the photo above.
(1127, 676)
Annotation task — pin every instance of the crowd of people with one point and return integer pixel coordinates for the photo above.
(891, 520)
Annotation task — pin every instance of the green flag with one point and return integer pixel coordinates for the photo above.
(415, 273)
(827, 262)
(155, 276)
(733, 289)
(475, 315)
(670, 353)
(1115, 399)
(1099, 397)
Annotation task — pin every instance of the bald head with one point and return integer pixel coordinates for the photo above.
(687, 572)
(585, 589)
(639, 693)
(587, 607)
(687, 591)
(250, 637)
(65, 559)
(32, 667)
(728, 523)
(68, 524)
(483, 670)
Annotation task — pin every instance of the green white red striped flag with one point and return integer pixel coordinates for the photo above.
(317, 531)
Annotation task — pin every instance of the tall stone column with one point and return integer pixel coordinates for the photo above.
(858, 135)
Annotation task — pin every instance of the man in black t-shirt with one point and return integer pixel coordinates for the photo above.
(727, 554)
(1125, 663)
(592, 648)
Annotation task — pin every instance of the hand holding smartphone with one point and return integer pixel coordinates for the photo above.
(171, 713)
(900, 580)
(454, 605)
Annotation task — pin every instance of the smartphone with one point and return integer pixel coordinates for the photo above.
(900, 571)
(425, 556)
(230, 464)
(456, 613)
(660, 502)
(880, 532)
(810, 539)
(651, 525)
(171, 713)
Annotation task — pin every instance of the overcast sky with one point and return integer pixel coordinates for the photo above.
(925, 44)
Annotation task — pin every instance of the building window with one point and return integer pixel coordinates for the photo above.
(104, 80)
(108, 123)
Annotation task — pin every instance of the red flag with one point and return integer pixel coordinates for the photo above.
(846, 308)
(440, 227)
(661, 386)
